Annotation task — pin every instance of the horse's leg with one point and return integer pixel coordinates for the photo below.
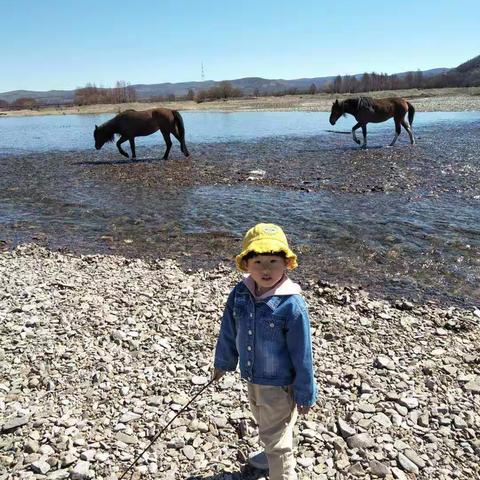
(364, 131)
(408, 128)
(397, 131)
(132, 146)
(355, 139)
(183, 146)
(119, 145)
(168, 142)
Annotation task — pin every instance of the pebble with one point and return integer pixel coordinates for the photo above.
(360, 440)
(128, 417)
(379, 469)
(416, 459)
(81, 471)
(406, 464)
(305, 462)
(14, 423)
(41, 466)
(189, 452)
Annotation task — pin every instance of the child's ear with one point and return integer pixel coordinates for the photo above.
(245, 264)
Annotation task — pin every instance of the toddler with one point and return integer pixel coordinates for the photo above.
(265, 327)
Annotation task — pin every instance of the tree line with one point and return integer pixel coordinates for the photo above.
(374, 82)
(20, 104)
(123, 92)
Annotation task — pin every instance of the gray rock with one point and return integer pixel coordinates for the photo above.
(356, 470)
(459, 422)
(189, 452)
(399, 474)
(128, 417)
(424, 420)
(360, 440)
(199, 380)
(81, 471)
(382, 419)
(88, 455)
(31, 446)
(366, 408)
(305, 461)
(407, 464)
(416, 459)
(41, 466)
(128, 439)
(59, 474)
(13, 423)
(473, 386)
(379, 469)
(382, 361)
(409, 402)
(345, 429)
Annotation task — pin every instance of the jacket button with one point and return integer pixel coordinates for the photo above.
(250, 332)
(249, 348)
(249, 363)
(272, 325)
(251, 315)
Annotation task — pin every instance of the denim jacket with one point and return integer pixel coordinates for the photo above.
(271, 337)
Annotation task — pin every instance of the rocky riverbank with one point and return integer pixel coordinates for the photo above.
(99, 352)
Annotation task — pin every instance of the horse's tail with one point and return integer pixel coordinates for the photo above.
(411, 113)
(181, 131)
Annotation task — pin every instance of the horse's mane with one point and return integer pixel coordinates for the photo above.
(365, 103)
(359, 104)
(107, 129)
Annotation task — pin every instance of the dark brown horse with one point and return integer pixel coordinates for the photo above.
(130, 124)
(366, 109)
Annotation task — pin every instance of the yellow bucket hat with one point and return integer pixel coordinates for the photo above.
(266, 238)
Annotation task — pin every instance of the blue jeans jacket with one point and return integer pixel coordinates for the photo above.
(272, 339)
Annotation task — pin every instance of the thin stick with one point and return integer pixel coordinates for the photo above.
(165, 427)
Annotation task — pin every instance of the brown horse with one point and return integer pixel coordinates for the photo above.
(366, 109)
(130, 124)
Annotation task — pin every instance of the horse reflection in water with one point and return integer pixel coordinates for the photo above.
(131, 123)
(367, 109)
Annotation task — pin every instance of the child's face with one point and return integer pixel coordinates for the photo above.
(266, 270)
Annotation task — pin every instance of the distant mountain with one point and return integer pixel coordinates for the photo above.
(249, 85)
(466, 74)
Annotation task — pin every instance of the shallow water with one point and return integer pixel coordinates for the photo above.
(21, 135)
(401, 221)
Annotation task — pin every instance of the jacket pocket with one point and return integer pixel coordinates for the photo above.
(272, 328)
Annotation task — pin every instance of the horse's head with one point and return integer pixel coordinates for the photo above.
(97, 135)
(101, 136)
(337, 111)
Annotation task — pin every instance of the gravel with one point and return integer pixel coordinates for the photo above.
(99, 352)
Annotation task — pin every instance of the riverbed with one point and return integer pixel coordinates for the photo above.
(400, 222)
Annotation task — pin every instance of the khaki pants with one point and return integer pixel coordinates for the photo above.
(275, 413)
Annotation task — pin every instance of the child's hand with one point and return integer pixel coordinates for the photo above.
(303, 409)
(217, 374)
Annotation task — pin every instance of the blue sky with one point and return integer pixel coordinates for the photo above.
(47, 44)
